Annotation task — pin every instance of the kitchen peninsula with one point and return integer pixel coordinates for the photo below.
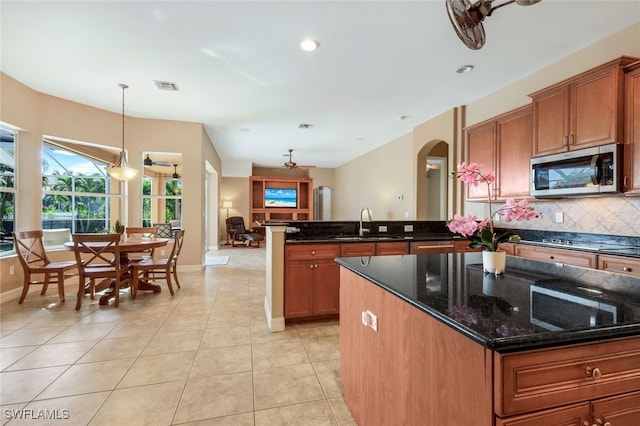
(431, 338)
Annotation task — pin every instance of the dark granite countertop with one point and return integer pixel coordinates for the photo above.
(371, 238)
(521, 309)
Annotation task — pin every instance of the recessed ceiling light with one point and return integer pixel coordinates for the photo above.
(464, 69)
(309, 45)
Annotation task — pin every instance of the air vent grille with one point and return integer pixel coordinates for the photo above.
(305, 126)
(166, 85)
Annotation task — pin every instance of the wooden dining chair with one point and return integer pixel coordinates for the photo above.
(141, 232)
(35, 262)
(159, 268)
(98, 258)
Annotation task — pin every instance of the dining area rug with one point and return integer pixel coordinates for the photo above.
(215, 260)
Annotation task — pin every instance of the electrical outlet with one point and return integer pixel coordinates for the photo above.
(399, 197)
(373, 321)
(163, 252)
(559, 217)
(382, 228)
(370, 320)
(408, 228)
(12, 270)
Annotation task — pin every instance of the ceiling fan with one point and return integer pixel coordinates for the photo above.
(293, 165)
(149, 162)
(466, 18)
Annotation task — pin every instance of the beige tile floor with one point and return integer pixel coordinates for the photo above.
(201, 357)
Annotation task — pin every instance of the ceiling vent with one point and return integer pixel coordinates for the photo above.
(305, 126)
(166, 85)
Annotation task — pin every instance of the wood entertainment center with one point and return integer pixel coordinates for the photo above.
(260, 212)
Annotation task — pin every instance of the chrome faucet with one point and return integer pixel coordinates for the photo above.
(368, 213)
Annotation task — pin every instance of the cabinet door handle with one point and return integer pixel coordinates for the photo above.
(564, 141)
(311, 266)
(313, 252)
(599, 423)
(550, 257)
(594, 373)
(626, 269)
(570, 139)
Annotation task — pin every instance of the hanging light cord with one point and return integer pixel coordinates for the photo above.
(124, 86)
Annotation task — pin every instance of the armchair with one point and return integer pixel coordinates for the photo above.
(240, 235)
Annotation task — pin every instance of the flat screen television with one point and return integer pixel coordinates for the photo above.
(275, 197)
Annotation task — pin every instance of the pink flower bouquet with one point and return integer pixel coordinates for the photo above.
(481, 233)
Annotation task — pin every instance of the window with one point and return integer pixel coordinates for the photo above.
(76, 191)
(7, 187)
(162, 190)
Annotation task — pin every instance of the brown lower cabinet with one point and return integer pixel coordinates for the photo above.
(312, 280)
(565, 257)
(312, 277)
(619, 265)
(415, 370)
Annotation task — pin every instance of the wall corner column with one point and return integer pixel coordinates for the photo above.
(274, 290)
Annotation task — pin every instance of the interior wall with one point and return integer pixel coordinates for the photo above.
(236, 190)
(376, 180)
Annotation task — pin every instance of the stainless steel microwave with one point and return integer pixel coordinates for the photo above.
(596, 170)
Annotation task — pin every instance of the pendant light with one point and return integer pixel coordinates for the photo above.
(175, 172)
(121, 170)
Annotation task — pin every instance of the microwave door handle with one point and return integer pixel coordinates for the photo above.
(596, 170)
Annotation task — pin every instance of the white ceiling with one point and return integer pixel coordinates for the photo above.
(241, 72)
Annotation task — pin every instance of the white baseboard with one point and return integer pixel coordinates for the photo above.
(14, 294)
(190, 268)
(275, 324)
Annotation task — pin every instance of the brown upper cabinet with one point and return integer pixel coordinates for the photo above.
(583, 111)
(632, 130)
(502, 144)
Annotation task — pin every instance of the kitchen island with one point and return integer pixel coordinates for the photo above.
(432, 339)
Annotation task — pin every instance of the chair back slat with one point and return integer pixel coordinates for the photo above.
(30, 249)
(141, 232)
(178, 236)
(106, 252)
(163, 230)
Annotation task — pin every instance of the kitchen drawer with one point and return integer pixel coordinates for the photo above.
(553, 377)
(619, 265)
(563, 256)
(463, 247)
(573, 415)
(357, 249)
(425, 247)
(392, 248)
(311, 251)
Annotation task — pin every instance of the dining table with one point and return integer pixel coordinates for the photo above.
(127, 245)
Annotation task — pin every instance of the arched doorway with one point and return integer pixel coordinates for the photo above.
(432, 181)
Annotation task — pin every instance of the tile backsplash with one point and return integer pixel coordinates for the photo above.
(597, 215)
